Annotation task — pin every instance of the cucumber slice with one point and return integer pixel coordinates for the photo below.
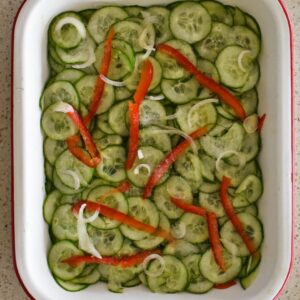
(60, 91)
(230, 72)
(212, 271)
(132, 283)
(212, 203)
(190, 22)
(103, 124)
(54, 66)
(133, 79)
(248, 281)
(88, 279)
(51, 202)
(69, 36)
(152, 112)
(116, 201)
(251, 264)
(109, 140)
(209, 187)
(53, 148)
(180, 248)
(64, 223)
(143, 211)
(251, 188)
(161, 24)
(219, 38)
(207, 167)
(151, 136)
(171, 69)
(200, 116)
(62, 187)
(60, 252)
(69, 286)
(67, 163)
(176, 187)
(252, 24)
(49, 171)
(107, 242)
(118, 119)
(134, 11)
(101, 21)
(128, 248)
(70, 199)
(251, 146)
(173, 279)
(195, 228)
(152, 241)
(142, 168)
(232, 240)
(122, 93)
(238, 16)
(218, 12)
(85, 88)
(197, 283)
(95, 183)
(70, 75)
(180, 92)
(111, 167)
(87, 14)
(57, 125)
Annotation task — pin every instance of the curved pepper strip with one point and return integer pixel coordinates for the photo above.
(226, 285)
(200, 211)
(141, 92)
(214, 239)
(165, 164)
(73, 141)
(116, 215)
(207, 82)
(124, 262)
(237, 224)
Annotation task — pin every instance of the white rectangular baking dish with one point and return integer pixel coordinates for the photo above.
(30, 72)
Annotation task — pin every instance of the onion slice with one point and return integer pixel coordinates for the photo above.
(141, 166)
(241, 158)
(85, 242)
(64, 107)
(155, 98)
(89, 62)
(75, 178)
(172, 130)
(142, 42)
(151, 258)
(193, 108)
(251, 123)
(240, 60)
(140, 154)
(150, 19)
(111, 82)
(73, 21)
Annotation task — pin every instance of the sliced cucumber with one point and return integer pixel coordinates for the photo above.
(88, 279)
(238, 16)
(133, 11)
(212, 271)
(53, 148)
(71, 75)
(209, 187)
(218, 12)
(252, 24)
(60, 252)
(111, 167)
(246, 282)
(251, 188)
(181, 248)
(69, 286)
(103, 124)
(252, 80)
(122, 93)
(212, 203)
(143, 211)
(109, 140)
(190, 22)
(51, 202)
(118, 118)
(62, 187)
(173, 279)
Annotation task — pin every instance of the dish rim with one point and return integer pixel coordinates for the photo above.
(291, 38)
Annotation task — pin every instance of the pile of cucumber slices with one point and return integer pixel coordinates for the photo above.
(224, 43)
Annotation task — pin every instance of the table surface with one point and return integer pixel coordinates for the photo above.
(10, 288)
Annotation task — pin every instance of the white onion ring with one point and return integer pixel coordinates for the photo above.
(111, 82)
(89, 62)
(140, 154)
(201, 103)
(155, 98)
(64, 107)
(73, 21)
(242, 160)
(251, 123)
(141, 166)
(144, 45)
(75, 178)
(240, 60)
(154, 257)
(149, 19)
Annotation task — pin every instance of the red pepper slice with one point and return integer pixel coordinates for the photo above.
(226, 285)
(124, 262)
(207, 82)
(189, 207)
(116, 215)
(141, 92)
(165, 164)
(261, 121)
(100, 84)
(232, 215)
(214, 238)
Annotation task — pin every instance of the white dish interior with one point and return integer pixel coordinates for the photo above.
(30, 75)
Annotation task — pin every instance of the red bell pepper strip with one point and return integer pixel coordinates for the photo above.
(214, 238)
(122, 188)
(116, 215)
(223, 286)
(165, 164)
(207, 82)
(124, 262)
(232, 215)
(141, 92)
(189, 207)
(261, 121)
(100, 84)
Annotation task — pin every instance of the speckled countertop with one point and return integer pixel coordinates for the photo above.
(10, 288)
